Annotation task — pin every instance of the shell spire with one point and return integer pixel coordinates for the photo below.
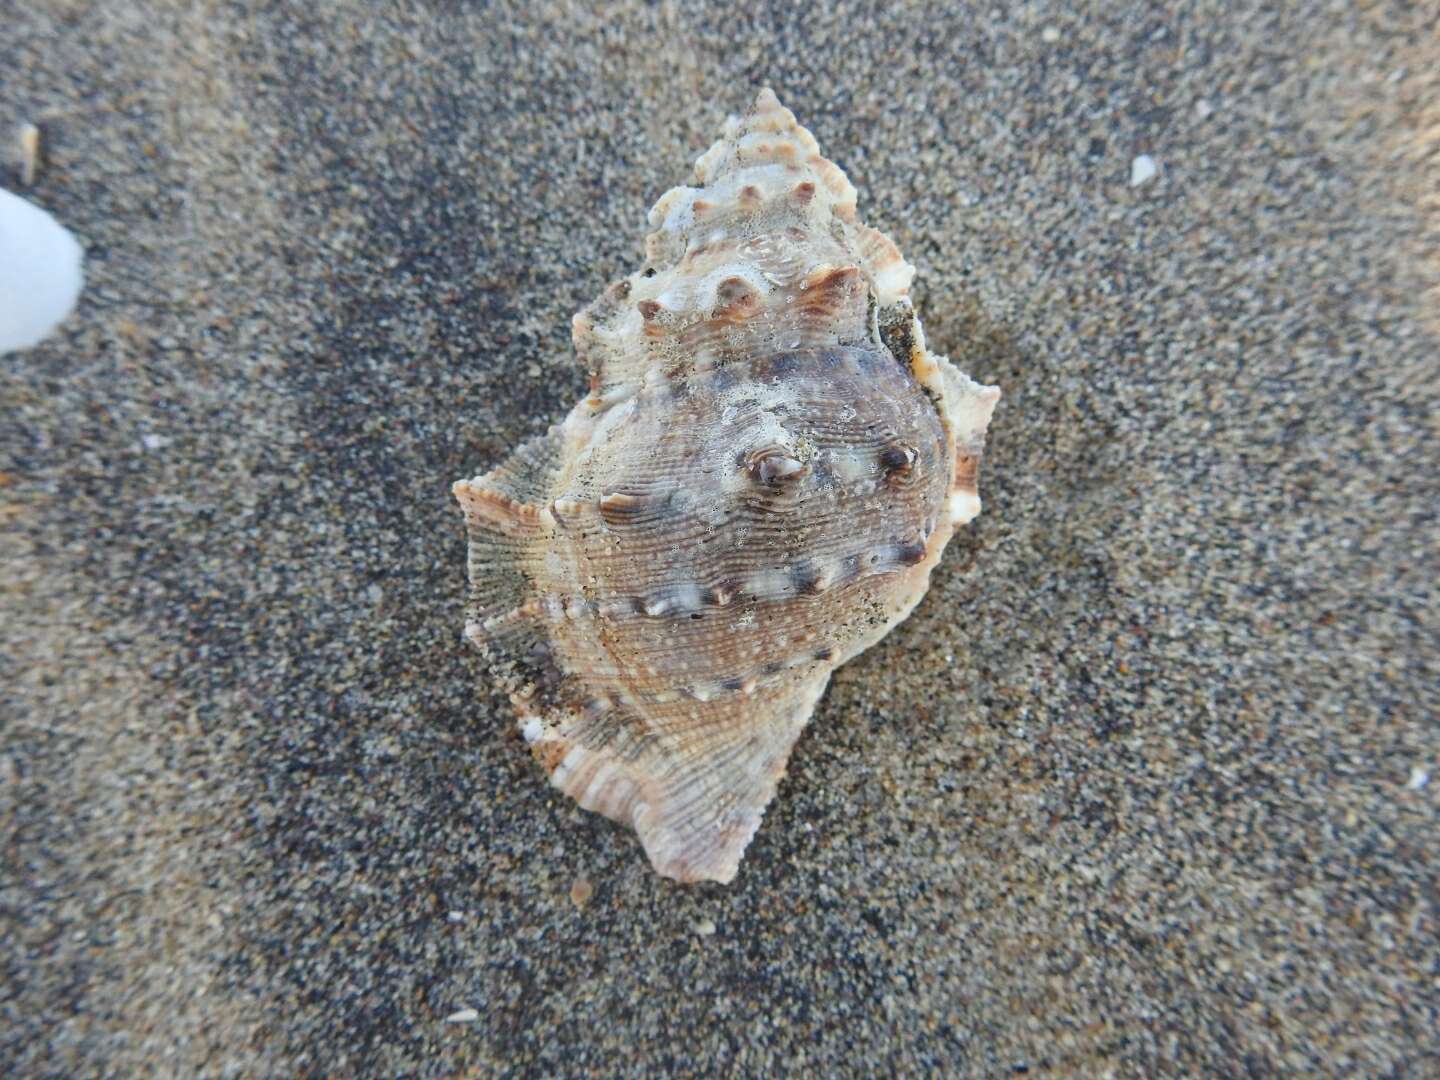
(767, 466)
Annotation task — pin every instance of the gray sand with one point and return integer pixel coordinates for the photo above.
(1137, 791)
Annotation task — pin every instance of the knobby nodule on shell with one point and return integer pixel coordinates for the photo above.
(766, 468)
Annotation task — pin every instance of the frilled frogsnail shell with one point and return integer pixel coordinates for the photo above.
(767, 466)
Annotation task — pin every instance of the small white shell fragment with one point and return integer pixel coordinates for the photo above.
(1142, 170)
(463, 1016)
(705, 928)
(40, 273)
(29, 153)
(1419, 777)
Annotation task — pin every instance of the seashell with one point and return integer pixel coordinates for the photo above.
(40, 273)
(767, 466)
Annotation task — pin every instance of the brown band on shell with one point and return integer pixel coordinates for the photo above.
(838, 185)
(967, 471)
(830, 278)
(620, 508)
(826, 289)
(494, 507)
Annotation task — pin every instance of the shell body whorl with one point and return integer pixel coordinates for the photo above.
(767, 466)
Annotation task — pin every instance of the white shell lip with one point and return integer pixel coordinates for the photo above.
(964, 507)
(40, 273)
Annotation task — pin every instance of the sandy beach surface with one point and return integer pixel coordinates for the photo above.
(1146, 787)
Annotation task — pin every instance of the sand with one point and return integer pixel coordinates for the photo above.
(1143, 788)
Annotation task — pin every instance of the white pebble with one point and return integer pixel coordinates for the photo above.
(1418, 778)
(1142, 170)
(705, 927)
(463, 1016)
(39, 272)
(1050, 35)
